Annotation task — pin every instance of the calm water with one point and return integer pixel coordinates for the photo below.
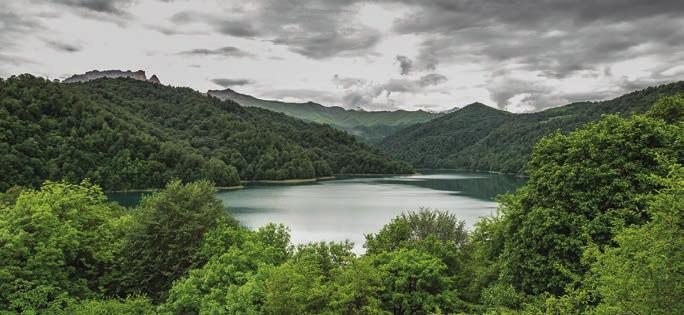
(341, 209)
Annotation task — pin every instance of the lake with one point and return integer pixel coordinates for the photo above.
(348, 208)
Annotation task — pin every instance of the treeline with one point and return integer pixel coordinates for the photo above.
(483, 138)
(128, 134)
(598, 228)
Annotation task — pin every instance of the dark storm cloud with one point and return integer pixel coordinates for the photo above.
(116, 7)
(231, 82)
(64, 47)
(405, 64)
(317, 30)
(555, 39)
(227, 51)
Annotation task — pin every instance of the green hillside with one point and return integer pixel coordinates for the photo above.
(484, 138)
(128, 134)
(369, 126)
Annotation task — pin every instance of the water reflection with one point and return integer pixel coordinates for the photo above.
(348, 208)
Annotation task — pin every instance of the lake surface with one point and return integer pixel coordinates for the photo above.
(348, 208)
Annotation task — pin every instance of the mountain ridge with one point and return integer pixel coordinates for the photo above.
(488, 139)
(111, 74)
(371, 126)
(126, 133)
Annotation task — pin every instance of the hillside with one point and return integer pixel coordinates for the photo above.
(483, 138)
(371, 127)
(127, 134)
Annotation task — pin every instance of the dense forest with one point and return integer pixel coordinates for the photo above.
(369, 126)
(128, 134)
(483, 138)
(598, 228)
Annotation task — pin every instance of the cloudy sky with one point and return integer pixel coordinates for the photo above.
(522, 55)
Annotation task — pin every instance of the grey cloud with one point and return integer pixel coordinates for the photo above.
(537, 95)
(64, 47)
(317, 30)
(224, 24)
(104, 6)
(555, 38)
(346, 82)
(346, 41)
(14, 25)
(116, 7)
(227, 51)
(405, 64)
(367, 94)
(231, 82)
(320, 96)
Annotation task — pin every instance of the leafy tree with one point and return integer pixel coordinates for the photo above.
(230, 282)
(643, 274)
(55, 245)
(355, 289)
(414, 283)
(669, 109)
(438, 233)
(412, 228)
(582, 187)
(167, 237)
(135, 305)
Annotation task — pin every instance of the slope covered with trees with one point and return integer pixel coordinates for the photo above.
(482, 138)
(597, 229)
(370, 126)
(126, 134)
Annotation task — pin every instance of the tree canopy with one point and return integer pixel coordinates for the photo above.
(128, 134)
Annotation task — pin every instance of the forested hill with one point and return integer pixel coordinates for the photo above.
(370, 126)
(127, 134)
(483, 138)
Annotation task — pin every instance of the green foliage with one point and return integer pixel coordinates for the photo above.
(583, 187)
(129, 134)
(414, 283)
(596, 229)
(643, 274)
(438, 233)
(484, 248)
(371, 127)
(9, 197)
(136, 305)
(356, 287)
(482, 138)
(56, 246)
(229, 282)
(500, 295)
(413, 229)
(670, 109)
(167, 237)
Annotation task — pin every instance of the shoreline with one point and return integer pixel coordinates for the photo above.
(158, 189)
(316, 179)
(474, 170)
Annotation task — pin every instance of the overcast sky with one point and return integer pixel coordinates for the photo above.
(515, 55)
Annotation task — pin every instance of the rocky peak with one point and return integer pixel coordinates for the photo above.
(154, 79)
(112, 74)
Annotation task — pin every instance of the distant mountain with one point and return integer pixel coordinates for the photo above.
(483, 138)
(128, 134)
(111, 74)
(370, 126)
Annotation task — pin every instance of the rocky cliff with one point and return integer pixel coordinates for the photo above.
(96, 74)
